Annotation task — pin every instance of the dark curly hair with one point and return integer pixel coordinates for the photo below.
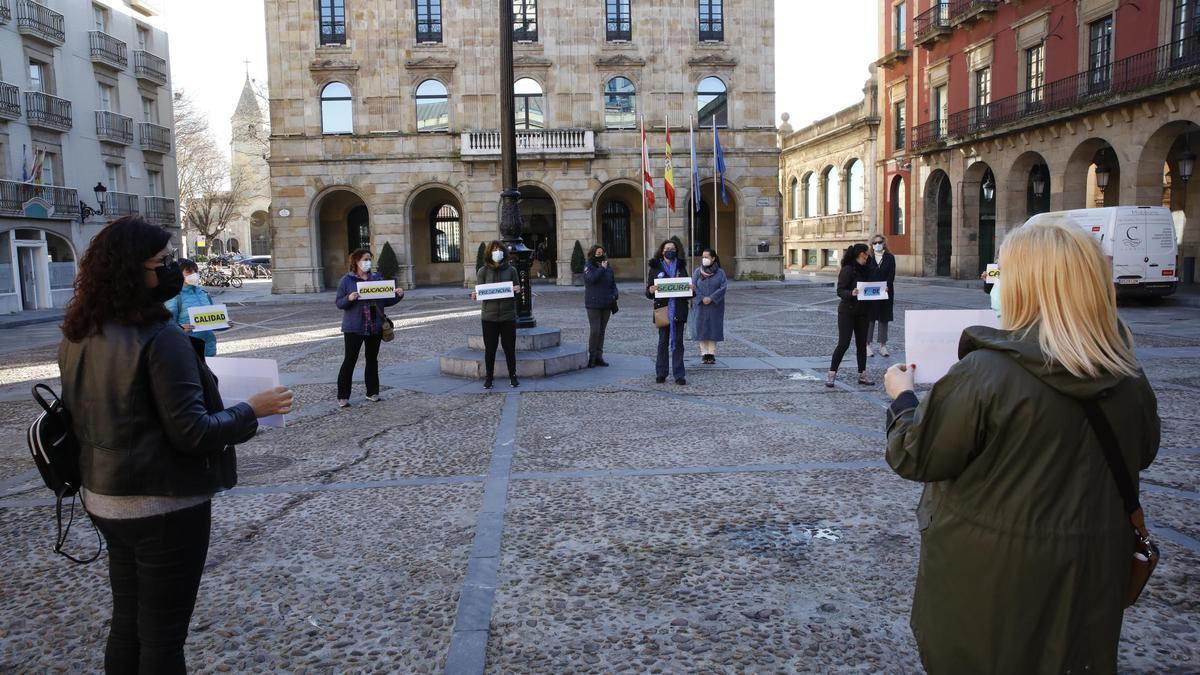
(110, 285)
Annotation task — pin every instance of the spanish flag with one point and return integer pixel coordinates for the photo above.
(647, 178)
(669, 174)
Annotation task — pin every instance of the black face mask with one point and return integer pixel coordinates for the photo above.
(599, 259)
(170, 282)
(669, 255)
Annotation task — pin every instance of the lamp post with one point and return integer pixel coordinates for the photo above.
(1187, 162)
(1102, 177)
(86, 211)
(989, 189)
(510, 196)
(1039, 182)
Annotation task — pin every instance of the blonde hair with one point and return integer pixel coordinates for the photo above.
(1054, 278)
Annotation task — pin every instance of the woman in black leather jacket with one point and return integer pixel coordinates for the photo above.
(156, 441)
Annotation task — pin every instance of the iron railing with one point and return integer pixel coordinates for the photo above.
(932, 22)
(107, 49)
(961, 10)
(155, 138)
(149, 67)
(37, 20)
(929, 134)
(159, 210)
(48, 112)
(114, 128)
(15, 194)
(10, 101)
(5, 12)
(121, 204)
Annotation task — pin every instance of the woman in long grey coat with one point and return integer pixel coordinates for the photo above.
(1026, 546)
(711, 284)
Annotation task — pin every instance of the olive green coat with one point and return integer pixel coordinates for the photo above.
(498, 310)
(1025, 547)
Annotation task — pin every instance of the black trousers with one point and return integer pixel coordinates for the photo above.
(354, 343)
(505, 333)
(598, 323)
(154, 567)
(668, 358)
(851, 325)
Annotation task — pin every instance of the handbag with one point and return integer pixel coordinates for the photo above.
(662, 317)
(388, 331)
(1145, 552)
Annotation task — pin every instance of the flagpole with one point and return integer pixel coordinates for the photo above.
(666, 126)
(715, 244)
(691, 189)
(642, 180)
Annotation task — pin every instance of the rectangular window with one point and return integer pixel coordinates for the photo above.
(983, 87)
(525, 21)
(37, 76)
(106, 97)
(113, 171)
(149, 111)
(811, 257)
(899, 25)
(333, 22)
(1035, 73)
(712, 20)
(793, 257)
(48, 161)
(99, 18)
(1185, 33)
(143, 38)
(939, 109)
(1100, 54)
(832, 255)
(429, 21)
(154, 180)
(899, 123)
(619, 25)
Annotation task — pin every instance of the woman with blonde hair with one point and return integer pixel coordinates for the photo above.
(1026, 544)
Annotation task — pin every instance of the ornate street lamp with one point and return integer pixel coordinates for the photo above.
(989, 189)
(86, 211)
(1102, 173)
(1039, 182)
(1187, 162)
(510, 209)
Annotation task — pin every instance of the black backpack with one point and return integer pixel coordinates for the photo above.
(55, 451)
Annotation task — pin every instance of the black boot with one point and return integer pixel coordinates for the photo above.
(487, 382)
(601, 362)
(512, 382)
(591, 362)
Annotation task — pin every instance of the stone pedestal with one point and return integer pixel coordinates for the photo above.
(540, 353)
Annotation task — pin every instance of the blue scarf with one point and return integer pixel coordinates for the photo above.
(670, 266)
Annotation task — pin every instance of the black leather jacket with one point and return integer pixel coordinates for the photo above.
(148, 415)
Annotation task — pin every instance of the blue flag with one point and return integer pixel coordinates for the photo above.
(720, 160)
(695, 169)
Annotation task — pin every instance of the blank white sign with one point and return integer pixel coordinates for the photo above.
(931, 338)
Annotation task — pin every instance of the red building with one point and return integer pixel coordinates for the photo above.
(996, 110)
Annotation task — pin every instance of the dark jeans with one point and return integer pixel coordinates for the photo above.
(354, 343)
(598, 322)
(504, 332)
(664, 346)
(883, 331)
(154, 567)
(848, 325)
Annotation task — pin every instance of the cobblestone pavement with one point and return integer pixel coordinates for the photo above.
(594, 522)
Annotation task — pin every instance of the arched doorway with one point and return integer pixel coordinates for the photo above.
(1165, 175)
(217, 246)
(979, 213)
(618, 228)
(439, 251)
(939, 233)
(539, 229)
(723, 235)
(896, 207)
(1027, 190)
(260, 233)
(234, 245)
(1093, 176)
(343, 225)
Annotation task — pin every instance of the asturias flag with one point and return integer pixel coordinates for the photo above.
(647, 179)
(669, 174)
(720, 160)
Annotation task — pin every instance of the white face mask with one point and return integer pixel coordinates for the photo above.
(192, 279)
(707, 262)
(498, 256)
(365, 265)
(879, 248)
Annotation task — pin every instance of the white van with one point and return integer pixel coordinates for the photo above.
(1139, 240)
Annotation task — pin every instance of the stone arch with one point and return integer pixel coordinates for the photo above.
(938, 226)
(1080, 184)
(979, 195)
(728, 233)
(330, 229)
(439, 250)
(1159, 181)
(627, 191)
(1019, 196)
(541, 224)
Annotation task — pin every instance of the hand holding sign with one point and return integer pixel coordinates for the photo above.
(672, 287)
(383, 289)
(899, 379)
(208, 317)
(872, 290)
(992, 273)
(931, 338)
(497, 291)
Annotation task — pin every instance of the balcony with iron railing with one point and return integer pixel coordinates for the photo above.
(932, 24)
(121, 204)
(929, 134)
(63, 202)
(966, 11)
(48, 112)
(150, 67)
(543, 142)
(159, 210)
(5, 12)
(1165, 67)
(10, 101)
(114, 128)
(108, 50)
(38, 21)
(154, 138)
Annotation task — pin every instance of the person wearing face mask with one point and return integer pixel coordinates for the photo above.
(600, 300)
(711, 284)
(192, 295)
(362, 324)
(883, 268)
(666, 264)
(499, 317)
(156, 441)
(852, 314)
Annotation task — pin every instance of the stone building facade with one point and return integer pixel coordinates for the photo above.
(996, 111)
(827, 179)
(384, 119)
(249, 229)
(85, 102)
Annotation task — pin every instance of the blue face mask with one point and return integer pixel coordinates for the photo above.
(995, 295)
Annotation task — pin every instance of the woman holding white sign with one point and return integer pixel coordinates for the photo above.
(192, 295)
(1030, 448)
(362, 324)
(499, 317)
(883, 268)
(853, 315)
(710, 284)
(670, 311)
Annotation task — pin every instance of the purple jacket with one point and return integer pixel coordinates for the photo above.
(352, 316)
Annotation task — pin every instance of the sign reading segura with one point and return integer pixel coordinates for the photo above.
(376, 290)
(672, 287)
(208, 317)
(498, 291)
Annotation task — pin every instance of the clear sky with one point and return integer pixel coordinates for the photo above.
(821, 54)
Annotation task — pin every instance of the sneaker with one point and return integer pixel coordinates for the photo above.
(512, 382)
(374, 398)
(487, 382)
(865, 380)
(343, 403)
(870, 350)
(883, 350)
(601, 362)
(660, 380)
(830, 378)
(680, 381)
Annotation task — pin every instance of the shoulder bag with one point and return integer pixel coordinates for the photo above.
(1145, 552)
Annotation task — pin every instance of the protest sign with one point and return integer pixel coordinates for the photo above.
(931, 338)
(208, 317)
(383, 289)
(239, 379)
(497, 291)
(672, 287)
(993, 273)
(872, 290)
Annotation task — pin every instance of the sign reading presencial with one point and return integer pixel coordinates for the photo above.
(931, 338)
(872, 290)
(382, 289)
(239, 379)
(672, 287)
(208, 317)
(497, 291)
